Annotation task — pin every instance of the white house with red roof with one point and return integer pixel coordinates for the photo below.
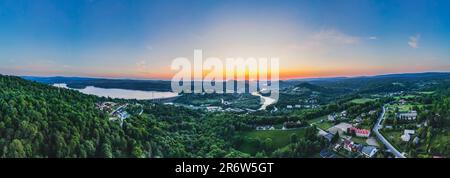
(360, 132)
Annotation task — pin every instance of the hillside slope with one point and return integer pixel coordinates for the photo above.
(38, 120)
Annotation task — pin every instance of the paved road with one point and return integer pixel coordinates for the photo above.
(381, 137)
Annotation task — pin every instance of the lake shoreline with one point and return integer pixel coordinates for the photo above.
(121, 93)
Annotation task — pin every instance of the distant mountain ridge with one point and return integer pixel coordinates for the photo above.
(337, 83)
(402, 75)
(399, 75)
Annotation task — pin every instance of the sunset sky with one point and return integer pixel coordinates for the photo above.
(139, 39)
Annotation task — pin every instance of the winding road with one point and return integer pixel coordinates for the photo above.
(388, 145)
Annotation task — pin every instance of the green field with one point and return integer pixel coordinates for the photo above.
(359, 140)
(403, 108)
(362, 100)
(405, 97)
(280, 138)
(316, 120)
(394, 138)
(325, 125)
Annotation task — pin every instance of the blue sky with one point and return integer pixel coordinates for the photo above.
(139, 39)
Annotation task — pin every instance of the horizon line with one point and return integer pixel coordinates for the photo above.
(286, 79)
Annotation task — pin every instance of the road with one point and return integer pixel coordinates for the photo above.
(381, 137)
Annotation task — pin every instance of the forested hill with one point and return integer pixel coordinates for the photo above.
(38, 120)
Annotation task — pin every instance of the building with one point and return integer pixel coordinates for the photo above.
(265, 127)
(351, 146)
(348, 145)
(344, 113)
(359, 132)
(336, 147)
(340, 128)
(289, 106)
(225, 102)
(358, 119)
(331, 117)
(369, 151)
(328, 136)
(213, 108)
(407, 116)
(416, 140)
(325, 153)
(407, 135)
(409, 132)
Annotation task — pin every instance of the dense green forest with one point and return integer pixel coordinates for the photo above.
(37, 120)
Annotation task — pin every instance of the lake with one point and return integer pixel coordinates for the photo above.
(121, 93)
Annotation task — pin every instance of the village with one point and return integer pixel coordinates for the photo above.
(120, 111)
(399, 127)
(347, 139)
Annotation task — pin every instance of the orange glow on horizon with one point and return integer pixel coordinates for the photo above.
(285, 74)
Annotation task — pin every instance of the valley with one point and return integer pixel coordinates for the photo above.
(312, 119)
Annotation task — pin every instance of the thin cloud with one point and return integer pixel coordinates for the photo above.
(414, 41)
(335, 37)
(325, 39)
(373, 38)
(141, 65)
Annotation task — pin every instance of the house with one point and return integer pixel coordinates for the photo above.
(348, 145)
(344, 113)
(328, 136)
(369, 151)
(407, 116)
(336, 147)
(265, 127)
(407, 135)
(331, 117)
(106, 106)
(416, 140)
(409, 132)
(225, 102)
(325, 153)
(213, 108)
(351, 146)
(123, 115)
(234, 110)
(359, 132)
(358, 119)
(289, 106)
(298, 106)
